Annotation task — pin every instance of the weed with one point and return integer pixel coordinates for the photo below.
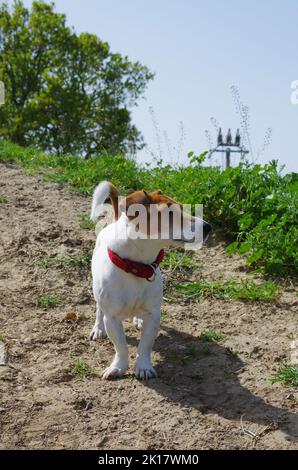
(82, 370)
(74, 261)
(286, 374)
(178, 260)
(211, 336)
(191, 352)
(164, 313)
(85, 222)
(206, 350)
(230, 290)
(47, 301)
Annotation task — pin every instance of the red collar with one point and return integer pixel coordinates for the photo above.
(146, 271)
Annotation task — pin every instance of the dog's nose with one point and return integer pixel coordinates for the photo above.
(206, 230)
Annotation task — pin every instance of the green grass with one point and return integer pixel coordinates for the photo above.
(82, 370)
(3, 200)
(75, 261)
(246, 290)
(82, 174)
(47, 301)
(190, 353)
(85, 222)
(286, 374)
(177, 260)
(164, 313)
(212, 336)
(206, 350)
(1, 337)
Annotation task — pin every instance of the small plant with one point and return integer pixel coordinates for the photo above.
(206, 350)
(3, 200)
(211, 336)
(1, 337)
(82, 370)
(164, 313)
(286, 374)
(190, 353)
(47, 301)
(85, 222)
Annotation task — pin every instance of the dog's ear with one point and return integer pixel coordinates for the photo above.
(157, 193)
(138, 197)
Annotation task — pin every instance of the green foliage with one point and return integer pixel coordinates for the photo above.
(212, 336)
(254, 206)
(3, 200)
(190, 353)
(229, 290)
(286, 374)
(85, 222)
(164, 313)
(47, 301)
(74, 261)
(65, 92)
(82, 370)
(179, 260)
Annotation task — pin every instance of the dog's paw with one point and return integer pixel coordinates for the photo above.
(113, 372)
(137, 322)
(145, 372)
(97, 334)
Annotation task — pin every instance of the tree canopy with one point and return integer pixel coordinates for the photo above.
(65, 92)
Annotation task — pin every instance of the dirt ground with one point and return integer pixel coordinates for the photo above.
(220, 400)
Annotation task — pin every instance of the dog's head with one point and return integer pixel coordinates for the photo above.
(157, 216)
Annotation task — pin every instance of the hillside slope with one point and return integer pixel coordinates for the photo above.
(215, 395)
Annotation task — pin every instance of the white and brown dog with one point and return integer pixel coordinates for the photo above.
(127, 281)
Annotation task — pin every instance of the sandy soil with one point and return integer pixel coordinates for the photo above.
(220, 400)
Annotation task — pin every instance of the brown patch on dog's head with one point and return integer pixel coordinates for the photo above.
(164, 204)
(138, 197)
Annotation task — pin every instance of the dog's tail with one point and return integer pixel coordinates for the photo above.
(103, 192)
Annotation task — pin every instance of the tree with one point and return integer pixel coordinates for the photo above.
(66, 93)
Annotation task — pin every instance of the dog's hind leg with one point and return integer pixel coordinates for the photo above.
(144, 369)
(98, 331)
(116, 334)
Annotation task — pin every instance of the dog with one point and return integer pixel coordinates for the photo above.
(127, 282)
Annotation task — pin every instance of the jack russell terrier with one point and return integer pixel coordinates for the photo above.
(127, 281)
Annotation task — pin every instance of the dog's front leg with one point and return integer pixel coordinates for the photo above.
(144, 369)
(114, 329)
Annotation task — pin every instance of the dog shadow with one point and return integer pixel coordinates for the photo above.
(204, 376)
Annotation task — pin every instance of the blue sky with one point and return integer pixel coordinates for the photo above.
(198, 49)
